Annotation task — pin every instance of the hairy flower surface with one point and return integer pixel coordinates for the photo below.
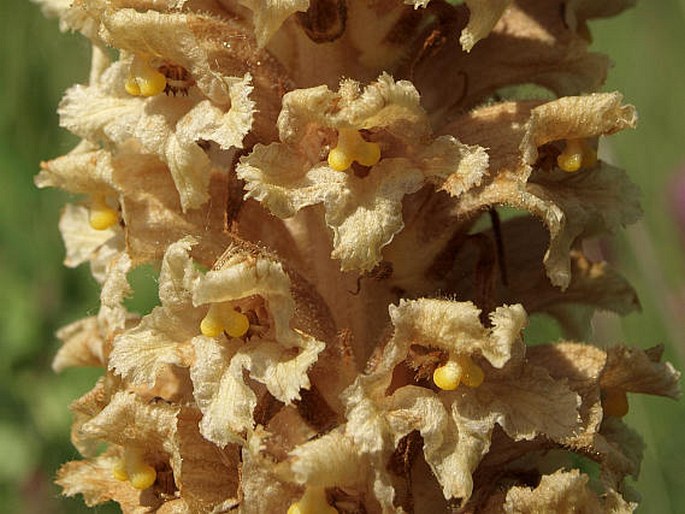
(363, 204)
(326, 188)
(455, 416)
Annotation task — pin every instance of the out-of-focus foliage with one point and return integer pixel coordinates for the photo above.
(39, 295)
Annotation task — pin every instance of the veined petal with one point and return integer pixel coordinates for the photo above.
(82, 241)
(141, 354)
(226, 402)
(456, 327)
(83, 170)
(362, 208)
(283, 373)
(283, 180)
(563, 492)
(208, 122)
(571, 205)
(128, 420)
(366, 217)
(639, 371)
(483, 15)
(163, 337)
(328, 461)
(268, 15)
(82, 345)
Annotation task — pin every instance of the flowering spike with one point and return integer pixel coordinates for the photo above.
(615, 403)
(133, 468)
(102, 216)
(314, 501)
(352, 147)
(222, 318)
(144, 80)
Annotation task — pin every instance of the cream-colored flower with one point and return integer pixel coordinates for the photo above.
(160, 53)
(236, 317)
(447, 376)
(363, 181)
(243, 390)
(333, 463)
(268, 15)
(91, 231)
(168, 127)
(84, 243)
(526, 142)
(156, 451)
(564, 492)
(602, 378)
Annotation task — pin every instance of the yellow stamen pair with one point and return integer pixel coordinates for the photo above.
(144, 80)
(101, 216)
(459, 369)
(314, 501)
(615, 403)
(577, 154)
(352, 147)
(224, 318)
(131, 467)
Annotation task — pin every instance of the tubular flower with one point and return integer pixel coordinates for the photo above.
(236, 317)
(341, 309)
(416, 387)
(320, 138)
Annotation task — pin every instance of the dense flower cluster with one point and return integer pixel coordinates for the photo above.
(342, 311)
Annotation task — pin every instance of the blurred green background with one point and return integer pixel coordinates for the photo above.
(38, 294)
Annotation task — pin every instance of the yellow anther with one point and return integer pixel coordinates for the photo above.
(615, 403)
(458, 370)
(132, 87)
(577, 154)
(352, 147)
(133, 468)
(314, 501)
(223, 318)
(448, 377)
(144, 80)
(102, 216)
(142, 477)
